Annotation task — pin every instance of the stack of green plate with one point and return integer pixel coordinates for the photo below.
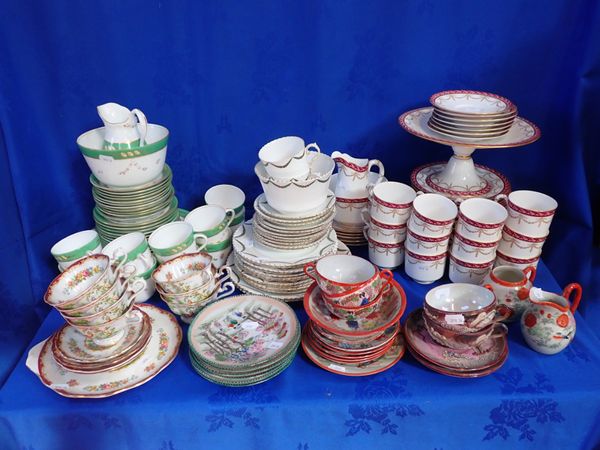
(243, 340)
(144, 208)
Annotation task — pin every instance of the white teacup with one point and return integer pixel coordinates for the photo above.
(381, 232)
(461, 271)
(481, 220)
(174, 239)
(424, 269)
(529, 213)
(226, 196)
(286, 157)
(211, 221)
(433, 215)
(473, 251)
(519, 246)
(426, 246)
(74, 247)
(391, 202)
(134, 248)
(386, 256)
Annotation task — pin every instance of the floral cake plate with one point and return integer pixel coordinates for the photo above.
(158, 354)
(393, 304)
(467, 360)
(242, 331)
(389, 359)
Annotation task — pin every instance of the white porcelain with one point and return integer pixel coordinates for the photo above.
(349, 210)
(127, 167)
(211, 221)
(505, 260)
(516, 245)
(345, 269)
(511, 287)
(427, 246)
(184, 273)
(226, 196)
(382, 232)
(461, 271)
(296, 196)
(174, 239)
(122, 128)
(391, 202)
(481, 220)
(433, 215)
(134, 248)
(238, 221)
(354, 173)
(287, 157)
(472, 103)
(472, 251)
(76, 246)
(386, 256)
(424, 269)
(220, 257)
(529, 213)
(149, 285)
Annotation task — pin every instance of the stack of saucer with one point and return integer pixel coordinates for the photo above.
(279, 274)
(471, 114)
(292, 231)
(121, 210)
(456, 334)
(243, 340)
(358, 345)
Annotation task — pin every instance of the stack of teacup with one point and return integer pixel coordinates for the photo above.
(526, 229)
(429, 229)
(385, 229)
(228, 196)
(189, 282)
(74, 247)
(95, 296)
(475, 240)
(134, 249)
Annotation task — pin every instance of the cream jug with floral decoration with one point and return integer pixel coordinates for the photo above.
(122, 128)
(353, 174)
(548, 324)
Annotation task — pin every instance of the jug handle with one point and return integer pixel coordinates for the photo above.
(376, 162)
(573, 287)
(530, 273)
(142, 125)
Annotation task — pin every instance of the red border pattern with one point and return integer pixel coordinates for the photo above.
(387, 226)
(524, 238)
(464, 240)
(530, 212)
(439, 188)
(381, 244)
(392, 205)
(425, 258)
(474, 223)
(350, 165)
(517, 260)
(469, 265)
(427, 238)
(352, 200)
(440, 223)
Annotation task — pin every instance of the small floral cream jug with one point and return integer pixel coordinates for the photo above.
(353, 174)
(548, 324)
(511, 287)
(122, 128)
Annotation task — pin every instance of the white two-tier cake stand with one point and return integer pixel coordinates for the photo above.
(460, 177)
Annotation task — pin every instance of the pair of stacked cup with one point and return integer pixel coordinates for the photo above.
(174, 239)
(476, 238)
(212, 222)
(228, 196)
(385, 230)
(429, 229)
(74, 247)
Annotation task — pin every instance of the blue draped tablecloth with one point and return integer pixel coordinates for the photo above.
(534, 400)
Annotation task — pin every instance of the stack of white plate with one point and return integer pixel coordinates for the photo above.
(292, 231)
(261, 270)
(471, 114)
(122, 210)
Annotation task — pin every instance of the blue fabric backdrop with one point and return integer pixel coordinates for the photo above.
(226, 77)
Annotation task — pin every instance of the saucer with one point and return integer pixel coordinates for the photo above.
(389, 359)
(468, 360)
(158, 354)
(350, 347)
(393, 304)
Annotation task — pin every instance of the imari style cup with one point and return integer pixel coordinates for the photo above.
(211, 221)
(391, 202)
(461, 271)
(511, 287)
(433, 215)
(529, 213)
(174, 239)
(427, 246)
(424, 269)
(76, 246)
(481, 220)
(459, 340)
(286, 157)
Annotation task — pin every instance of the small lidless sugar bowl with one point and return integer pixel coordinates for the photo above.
(548, 324)
(511, 287)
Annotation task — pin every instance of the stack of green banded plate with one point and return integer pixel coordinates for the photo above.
(144, 208)
(243, 340)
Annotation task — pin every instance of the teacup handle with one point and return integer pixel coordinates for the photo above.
(231, 214)
(116, 270)
(370, 188)
(366, 231)
(310, 270)
(388, 276)
(502, 199)
(312, 145)
(127, 274)
(203, 238)
(530, 273)
(142, 125)
(118, 254)
(137, 287)
(573, 287)
(225, 290)
(366, 217)
(379, 165)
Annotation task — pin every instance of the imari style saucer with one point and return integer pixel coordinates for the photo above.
(350, 347)
(158, 354)
(468, 363)
(380, 364)
(393, 304)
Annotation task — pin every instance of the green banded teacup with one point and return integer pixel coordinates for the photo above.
(75, 247)
(174, 239)
(212, 221)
